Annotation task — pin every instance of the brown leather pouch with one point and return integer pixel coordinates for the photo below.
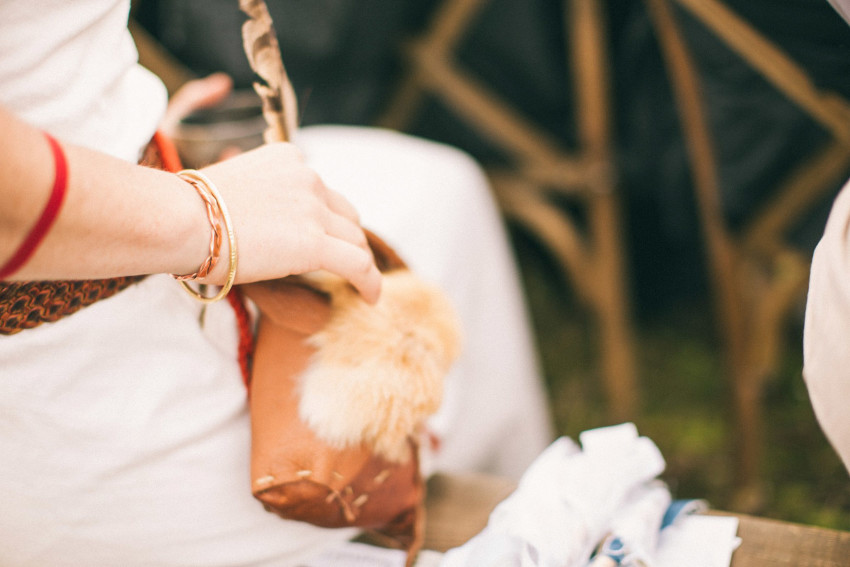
(339, 393)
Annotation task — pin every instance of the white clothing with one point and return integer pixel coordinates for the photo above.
(70, 68)
(842, 7)
(124, 441)
(826, 337)
(124, 433)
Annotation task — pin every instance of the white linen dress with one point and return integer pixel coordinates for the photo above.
(124, 432)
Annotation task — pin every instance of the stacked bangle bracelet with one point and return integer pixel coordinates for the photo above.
(214, 216)
(218, 216)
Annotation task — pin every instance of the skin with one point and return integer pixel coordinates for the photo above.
(122, 219)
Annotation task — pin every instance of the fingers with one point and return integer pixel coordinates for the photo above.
(360, 268)
(291, 222)
(345, 229)
(347, 254)
(194, 95)
(341, 205)
(355, 265)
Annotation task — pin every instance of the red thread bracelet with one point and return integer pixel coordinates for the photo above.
(48, 216)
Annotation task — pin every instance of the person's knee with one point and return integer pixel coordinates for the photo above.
(460, 177)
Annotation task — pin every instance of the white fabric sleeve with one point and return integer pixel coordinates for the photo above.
(826, 338)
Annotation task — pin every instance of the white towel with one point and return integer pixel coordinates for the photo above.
(565, 502)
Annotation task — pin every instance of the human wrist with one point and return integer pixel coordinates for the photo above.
(187, 243)
(222, 238)
(216, 221)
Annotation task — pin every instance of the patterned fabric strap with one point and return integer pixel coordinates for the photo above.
(24, 305)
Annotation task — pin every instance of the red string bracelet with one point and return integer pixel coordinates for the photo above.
(48, 216)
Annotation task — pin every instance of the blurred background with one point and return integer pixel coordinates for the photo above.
(665, 168)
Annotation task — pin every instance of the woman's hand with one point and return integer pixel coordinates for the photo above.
(122, 219)
(287, 221)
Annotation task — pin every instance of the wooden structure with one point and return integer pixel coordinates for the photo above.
(757, 279)
(592, 259)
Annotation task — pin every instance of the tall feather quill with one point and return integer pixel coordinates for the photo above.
(280, 107)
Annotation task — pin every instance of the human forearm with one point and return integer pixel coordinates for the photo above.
(117, 218)
(123, 219)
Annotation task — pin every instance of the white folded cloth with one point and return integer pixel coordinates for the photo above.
(567, 500)
(633, 531)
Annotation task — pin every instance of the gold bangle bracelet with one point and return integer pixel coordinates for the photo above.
(215, 218)
(196, 177)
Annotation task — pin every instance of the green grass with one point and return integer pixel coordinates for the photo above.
(685, 408)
